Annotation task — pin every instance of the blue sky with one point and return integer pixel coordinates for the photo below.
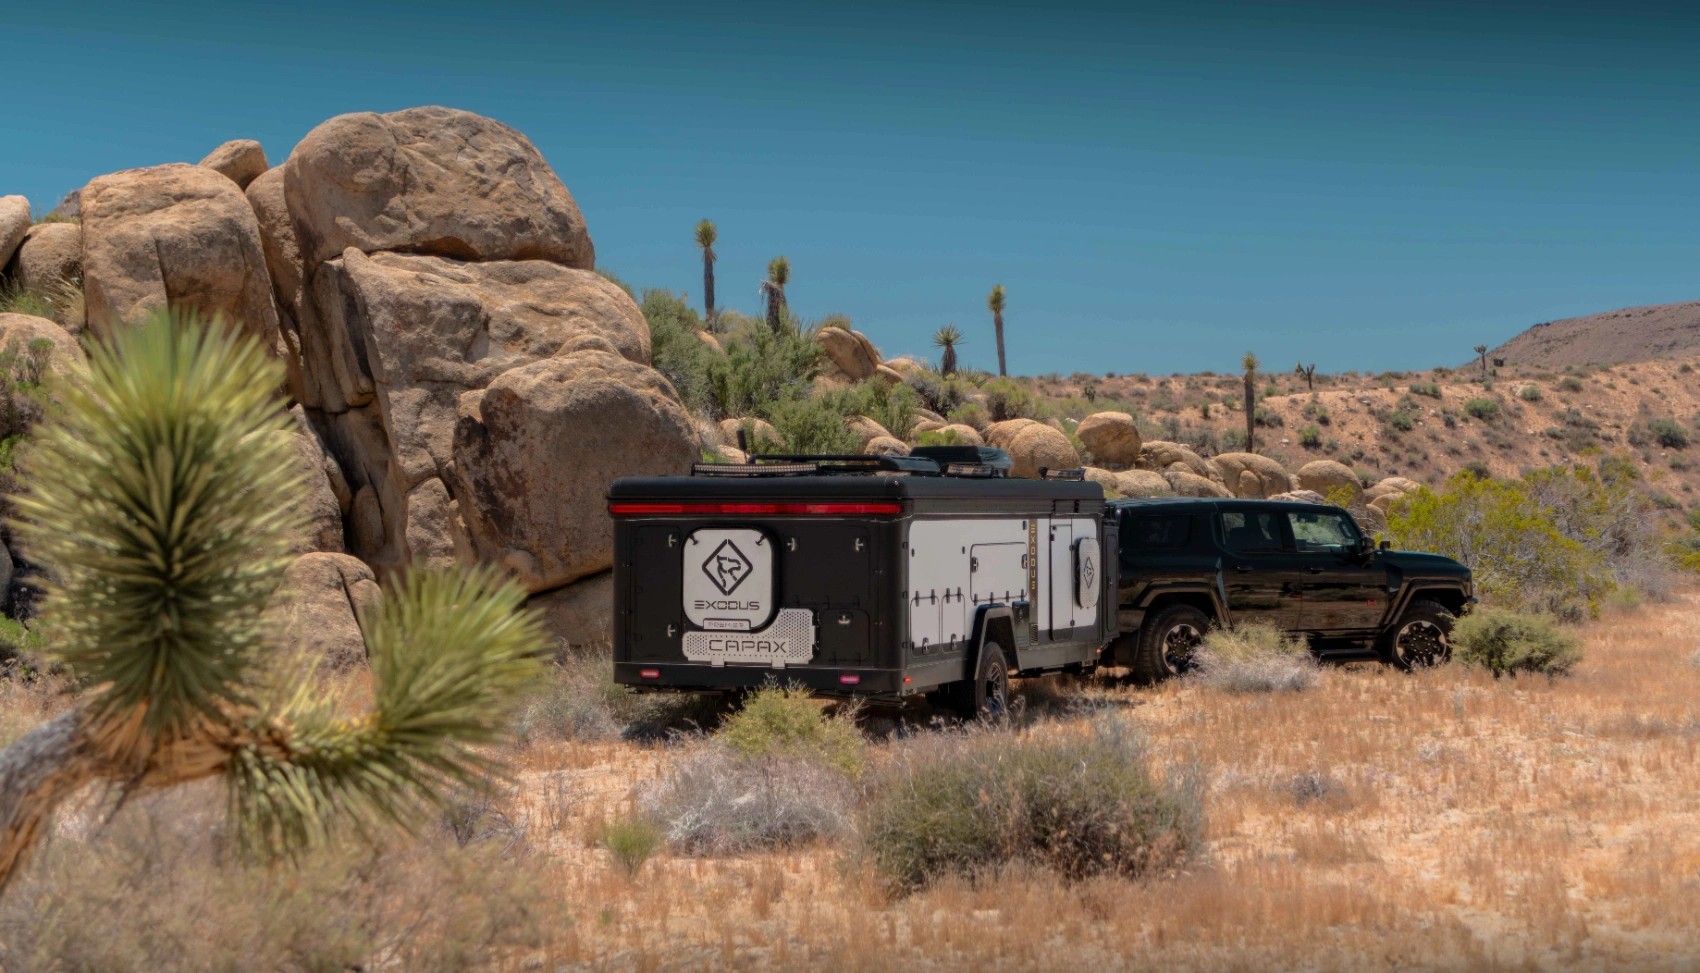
(1159, 186)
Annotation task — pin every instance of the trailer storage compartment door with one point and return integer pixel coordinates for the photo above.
(1061, 590)
(997, 573)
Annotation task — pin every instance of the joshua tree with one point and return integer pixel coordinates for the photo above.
(947, 338)
(162, 504)
(1250, 364)
(994, 302)
(706, 235)
(1308, 374)
(1481, 351)
(772, 289)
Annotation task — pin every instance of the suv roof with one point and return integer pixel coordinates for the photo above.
(1195, 504)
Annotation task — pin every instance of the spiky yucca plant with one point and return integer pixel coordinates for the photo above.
(995, 304)
(946, 339)
(1249, 364)
(161, 504)
(706, 235)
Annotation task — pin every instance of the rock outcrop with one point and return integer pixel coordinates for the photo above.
(327, 500)
(1332, 480)
(535, 453)
(50, 254)
(176, 235)
(756, 431)
(866, 430)
(19, 331)
(580, 614)
(851, 354)
(885, 446)
(241, 161)
(317, 608)
(1037, 446)
(1158, 455)
(1002, 434)
(967, 434)
(1112, 438)
(14, 223)
(1248, 475)
(1143, 483)
(434, 181)
(1187, 484)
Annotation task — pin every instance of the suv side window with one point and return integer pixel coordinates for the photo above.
(1161, 533)
(1326, 532)
(1251, 530)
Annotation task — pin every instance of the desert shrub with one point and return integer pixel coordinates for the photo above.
(1570, 383)
(1429, 389)
(1008, 399)
(812, 426)
(941, 437)
(1530, 393)
(630, 841)
(1549, 541)
(1506, 643)
(1255, 658)
(1668, 433)
(1266, 417)
(761, 369)
(964, 803)
(777, 721)
(936, 392)
(1401, 420)
(969, 414)
(576, 698)
(1310, 436)
(1486, 410)
(675, 349)
(718, 801)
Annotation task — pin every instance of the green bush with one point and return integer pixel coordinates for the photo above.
(1669, 433)
(1080, 804)
(1530, 393)
(761, 369)
(942, 437)
(1266, 417)
(1401, 420)
(1505, 643)
(1429, 389)
(812, 426)
(777, 721)
(1008, 399)
(1570, 383)
(631, 842)
(675, 349)
(1310, 436)
(1486, 410)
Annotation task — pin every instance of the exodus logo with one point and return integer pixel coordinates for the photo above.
(728, 606)
(748, 645)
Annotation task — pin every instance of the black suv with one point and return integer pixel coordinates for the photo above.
(1307, 569)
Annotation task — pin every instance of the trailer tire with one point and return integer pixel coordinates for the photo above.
(986, 696)
(1422, 637)
(1164, 646)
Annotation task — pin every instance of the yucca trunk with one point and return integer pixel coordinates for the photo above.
(1250, 411)
(708, 289)
(997, 323)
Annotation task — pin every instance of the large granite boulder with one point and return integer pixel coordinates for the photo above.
(580, 614)
(1002, 434)
(1158, 455)
(535, 454)
(756, 431)
(326, 499)
(1331, 479)
(430, 180)
(50, 254)
(866, 430)
(19, 331)
(1037, 446)
(14, 223)
(1143, 483)
(176, 235)
(1186, 484)
(241, 161)
(318, 606)
(1111, 437)
(851, 354)
(1248, 475)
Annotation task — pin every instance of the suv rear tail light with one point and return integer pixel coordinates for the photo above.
(753, 509)
(650, 673)
(849, 680)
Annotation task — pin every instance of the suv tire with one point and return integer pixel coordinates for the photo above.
(1165, 644)
(986, 696)
(1421, 638)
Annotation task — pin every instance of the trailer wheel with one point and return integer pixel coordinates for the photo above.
(986, 696)
(1167, 643)
(1422, 638)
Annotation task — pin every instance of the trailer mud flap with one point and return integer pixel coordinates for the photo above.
(789, 641)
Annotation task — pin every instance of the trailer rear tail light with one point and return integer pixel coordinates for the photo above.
(849, 680)
(650, 673)
(753, 509)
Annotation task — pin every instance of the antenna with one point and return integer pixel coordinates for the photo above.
(744, 445)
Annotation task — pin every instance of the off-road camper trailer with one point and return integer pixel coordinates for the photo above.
(873, 576)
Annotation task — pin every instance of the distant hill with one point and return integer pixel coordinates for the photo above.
(1632, 334)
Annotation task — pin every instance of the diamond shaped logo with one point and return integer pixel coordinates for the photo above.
(1088, 572)
(727, 567)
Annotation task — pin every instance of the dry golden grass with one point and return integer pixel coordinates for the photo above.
(1438, 821)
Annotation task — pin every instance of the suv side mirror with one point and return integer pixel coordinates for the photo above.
(1387, 545)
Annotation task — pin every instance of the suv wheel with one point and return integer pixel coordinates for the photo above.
(1168, 643)
(1422, 638)
(986, 696)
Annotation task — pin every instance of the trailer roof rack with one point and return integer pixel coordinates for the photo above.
(1046, 473)
(802, 464)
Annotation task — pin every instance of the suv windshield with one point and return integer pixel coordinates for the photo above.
(1324, 531)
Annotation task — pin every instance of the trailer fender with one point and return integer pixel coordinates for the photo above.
(995, 623)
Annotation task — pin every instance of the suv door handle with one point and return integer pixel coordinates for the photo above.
(1314, 570)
